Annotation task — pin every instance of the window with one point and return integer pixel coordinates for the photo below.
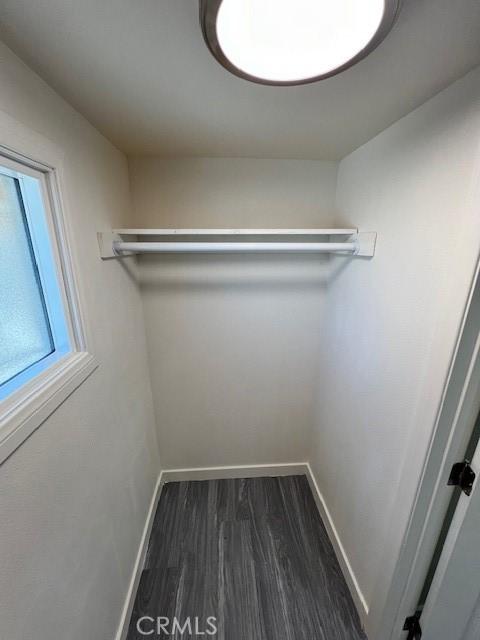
(43, 354)
(33, 331)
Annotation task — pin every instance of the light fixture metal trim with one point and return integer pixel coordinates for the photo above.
(208, 20)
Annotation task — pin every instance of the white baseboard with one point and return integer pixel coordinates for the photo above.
(198, 473)
(139, 562)
(349, 575)
(241, 471)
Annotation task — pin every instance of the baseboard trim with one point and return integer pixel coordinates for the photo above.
(349, 575)
(139, 562)
(240, 471)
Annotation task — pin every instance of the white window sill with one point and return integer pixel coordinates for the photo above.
(24, 411)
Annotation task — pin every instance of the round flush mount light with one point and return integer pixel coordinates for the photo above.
(290, 42)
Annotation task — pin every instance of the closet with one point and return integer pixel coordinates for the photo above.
(270, 299)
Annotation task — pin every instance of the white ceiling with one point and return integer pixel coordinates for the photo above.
(140, 72)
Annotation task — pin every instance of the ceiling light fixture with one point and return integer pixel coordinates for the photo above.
(290, 42)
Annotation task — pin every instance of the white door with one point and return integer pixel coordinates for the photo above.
(452, 608)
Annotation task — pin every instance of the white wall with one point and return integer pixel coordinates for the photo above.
(251, 360)
(233, 340)
(391, 323)
(74, 496)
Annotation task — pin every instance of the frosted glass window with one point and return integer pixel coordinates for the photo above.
(33, 331)
(25, 333)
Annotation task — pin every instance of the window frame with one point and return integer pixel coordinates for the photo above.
(33, 202)
(24, 410)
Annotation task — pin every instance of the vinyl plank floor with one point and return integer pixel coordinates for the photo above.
(251, 553)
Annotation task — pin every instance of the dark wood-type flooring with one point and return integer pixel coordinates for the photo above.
(252, 553)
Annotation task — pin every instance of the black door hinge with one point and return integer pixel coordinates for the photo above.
(462, 475)
(412, 625)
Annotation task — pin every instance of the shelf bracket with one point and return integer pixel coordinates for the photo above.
(366, 241)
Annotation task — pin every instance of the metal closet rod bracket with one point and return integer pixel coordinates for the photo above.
(346, 242)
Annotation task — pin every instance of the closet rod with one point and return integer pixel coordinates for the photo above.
(347, 242)
(235, 247)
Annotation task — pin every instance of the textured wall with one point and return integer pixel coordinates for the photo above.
(391, 324)
(75, 495)
(233, 340)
